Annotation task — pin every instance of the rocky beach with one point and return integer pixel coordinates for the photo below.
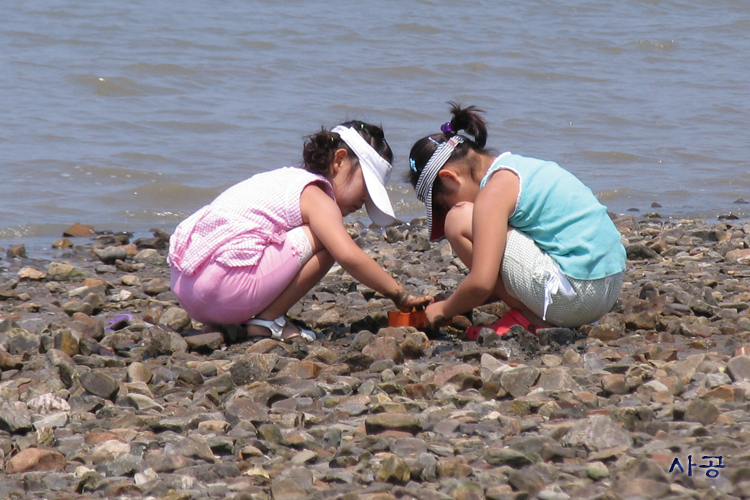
(108, 389)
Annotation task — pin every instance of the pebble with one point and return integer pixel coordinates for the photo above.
(109, 388)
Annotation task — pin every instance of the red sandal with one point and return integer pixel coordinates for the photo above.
(502, 326)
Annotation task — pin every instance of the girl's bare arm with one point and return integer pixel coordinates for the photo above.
(326, 222)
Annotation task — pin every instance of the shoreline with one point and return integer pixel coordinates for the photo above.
(109, 389)
(40, 245)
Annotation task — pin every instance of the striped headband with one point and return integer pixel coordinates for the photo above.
(427, 177)
(429, 173)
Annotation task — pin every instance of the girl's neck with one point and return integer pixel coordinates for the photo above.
(485, 162)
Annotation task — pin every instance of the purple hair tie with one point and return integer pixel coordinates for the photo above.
(446, 127)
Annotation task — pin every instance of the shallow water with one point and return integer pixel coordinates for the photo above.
(131, 115)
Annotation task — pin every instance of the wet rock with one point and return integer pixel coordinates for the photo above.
(16, 251)
(111, 254)
(62, 243)
(78, 230)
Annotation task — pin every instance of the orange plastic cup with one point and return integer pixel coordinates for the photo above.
(417, 319)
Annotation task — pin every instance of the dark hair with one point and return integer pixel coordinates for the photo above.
(467, 119)
(320, 148)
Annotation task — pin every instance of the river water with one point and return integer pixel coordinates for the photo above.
(132, 115)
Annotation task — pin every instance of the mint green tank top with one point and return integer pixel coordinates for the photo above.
(563, 217)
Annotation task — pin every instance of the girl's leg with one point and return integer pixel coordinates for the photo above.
(308, 276)
(459, 232)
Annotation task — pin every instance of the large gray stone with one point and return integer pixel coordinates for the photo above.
(597, 432)
(100, 384)
(15, 417)
(739, 368)
(518, 380)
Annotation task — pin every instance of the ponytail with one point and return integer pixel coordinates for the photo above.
(466, 120)
(319, 150)
(470, 121)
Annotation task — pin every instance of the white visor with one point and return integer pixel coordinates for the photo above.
(376, 172)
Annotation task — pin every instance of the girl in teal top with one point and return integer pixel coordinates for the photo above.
(530, 232)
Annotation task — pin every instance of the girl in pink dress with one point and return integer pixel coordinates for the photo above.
(258, 248)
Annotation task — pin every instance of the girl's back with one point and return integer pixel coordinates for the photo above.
(236, 227)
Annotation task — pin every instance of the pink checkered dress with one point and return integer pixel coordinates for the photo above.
(237, 226)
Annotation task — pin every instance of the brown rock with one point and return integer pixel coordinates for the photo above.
(79, 230)
(16, 251)
(67, 342)
(614, 383)
(725, 393)
(606, 333)
(36, 459)
(205, 342)
(175, 318)
(385, 348)
(95, 438)
(30, 273)
(644, 320)
(739, 256)
(304, 370)
(88, 326)
(10, 362)
(62, 243)
(702, 411)
(420, 390)
(462, 376)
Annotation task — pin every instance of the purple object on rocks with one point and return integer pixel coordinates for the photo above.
(119, 322)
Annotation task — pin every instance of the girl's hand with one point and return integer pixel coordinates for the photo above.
(435, 315)
(406, 301)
